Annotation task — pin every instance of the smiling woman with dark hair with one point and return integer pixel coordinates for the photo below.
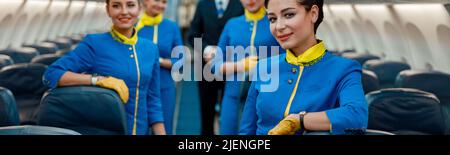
(318, 91)
(123, 62)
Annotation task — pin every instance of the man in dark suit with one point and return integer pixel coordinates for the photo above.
(208, 23)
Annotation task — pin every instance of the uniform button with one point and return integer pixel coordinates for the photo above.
(132, 56)
(294, 70)
(290, 81)
(131, 48)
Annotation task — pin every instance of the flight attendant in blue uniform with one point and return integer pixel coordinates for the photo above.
(250, 31)
(317, 90)
(167, 36)
(123, 62)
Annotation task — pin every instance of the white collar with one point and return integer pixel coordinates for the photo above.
(224, 5)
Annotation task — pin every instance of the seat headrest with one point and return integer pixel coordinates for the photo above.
(21, 55)
(23, 78)
(5, 60)
(9, 115)
(361, 57)
(397, 109)
(370, 81)
(62, 43)
(87, 110)
(46, 59)
(434, 82)
(35, 130)
(386, 71)
(76, 39)
(45, 47)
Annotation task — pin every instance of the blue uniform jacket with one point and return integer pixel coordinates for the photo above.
(101, 54)
(332, 85)
(169, 37)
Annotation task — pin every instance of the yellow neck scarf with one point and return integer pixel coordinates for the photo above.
(123, 39)
(147, 20)
(309, 57)
(151, 21)
(260, 14)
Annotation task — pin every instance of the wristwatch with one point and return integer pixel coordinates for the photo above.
(301, 117)
(94, 79)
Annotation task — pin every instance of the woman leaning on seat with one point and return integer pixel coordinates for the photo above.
(318, 91)
(123, 62)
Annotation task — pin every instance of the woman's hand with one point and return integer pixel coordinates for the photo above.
(158, 129)
(115, 84)
(248, 63)
(288, 126)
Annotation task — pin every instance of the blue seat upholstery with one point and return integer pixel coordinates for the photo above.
(76, 38)
(386, 71)
(21, 55)
(46, 59)
(5, 60)
(360, 57)
(434, 82)
(405, 111)
(62, 43)
(45, 47)
(87, 110)
(370, 81)
(350, 132)
(35, 130)
(8, 108)
(345, 51)
(25, 82)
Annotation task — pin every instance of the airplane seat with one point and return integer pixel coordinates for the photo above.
(333, 52)
(64, 51)
(46, 59)
(21, 55)
(405, 111)
(62, 43)
(370, 81)
(9, 115)
(360, 132)
(25, 82)
(346, 51)
(76, 39)
(5, 60)
(386, 71)
(87, 110)
(435, 82)
(361, 57)
(35, 130)
(45, 47)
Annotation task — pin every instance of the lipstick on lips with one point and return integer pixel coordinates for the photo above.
(284, 37)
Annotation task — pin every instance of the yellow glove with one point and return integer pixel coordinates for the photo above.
(250, 63)
(287, 126)
(117, 85)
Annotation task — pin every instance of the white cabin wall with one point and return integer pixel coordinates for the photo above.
(425, 18)
(415, 33)
(7, 20)
(28, 22)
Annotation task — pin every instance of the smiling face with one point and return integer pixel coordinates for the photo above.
(155, 7)
(252, 5)
(123, 13)
(290, 23)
